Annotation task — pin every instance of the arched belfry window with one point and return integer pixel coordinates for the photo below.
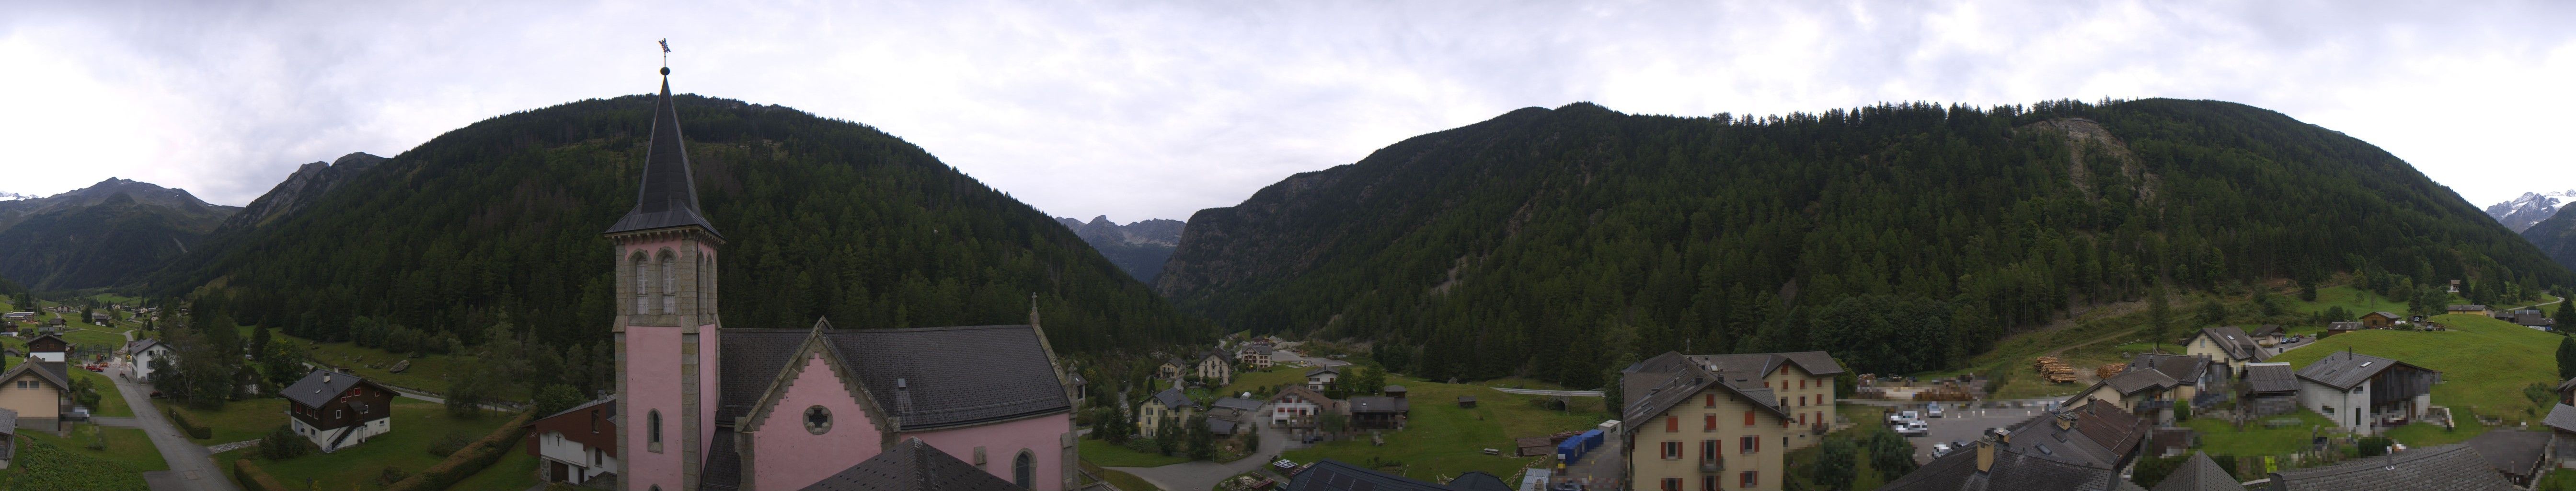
(653, 426)
(643, 277)
(1024, 470)
(670, 284)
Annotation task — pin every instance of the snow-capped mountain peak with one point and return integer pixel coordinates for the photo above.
(2530, 208)
(16, 196)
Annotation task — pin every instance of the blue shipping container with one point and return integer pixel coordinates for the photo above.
(1570, 451)
(1591, 440)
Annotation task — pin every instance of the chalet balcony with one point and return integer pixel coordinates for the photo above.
(1820, 428)
(1712, 465)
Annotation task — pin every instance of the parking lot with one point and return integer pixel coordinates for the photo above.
(1969, 423)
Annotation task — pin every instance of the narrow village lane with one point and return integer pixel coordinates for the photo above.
(191, 467)
(1196, 475)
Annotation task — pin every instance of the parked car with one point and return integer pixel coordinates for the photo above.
(1912, 415)
(1934, 410)
(1569, 487)
(1915, 428)
(1940, 449)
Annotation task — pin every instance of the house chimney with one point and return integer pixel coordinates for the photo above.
(902, 397)
(1985, 454)
(326, 377)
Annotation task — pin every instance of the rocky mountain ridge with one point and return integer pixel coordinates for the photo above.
(1139, 248)
(101, 235)
(300, 190)
(2529, 209)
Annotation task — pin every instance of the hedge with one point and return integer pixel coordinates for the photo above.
(471, 460)
(181, 420)
(254, 479)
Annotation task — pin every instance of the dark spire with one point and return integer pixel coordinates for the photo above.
(669, 196)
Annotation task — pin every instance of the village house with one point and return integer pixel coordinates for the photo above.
(2472, 309)
(577, 445)
(2562, 430)
(1320, 378)
(2454, 467)
(2080, 448)
(8, 437)
(101, 318)
(39, 392)
(2153, 383)
(1256, 355)
(1166, 407)
(2271, 388)
(2380, 320)
(1686, 414)
(1230, 416)
(2334, 328)
(2224, 344)
(2364, 393)
(1081, 387)
(1378, 412)
(141, 354)
(2522, 456)
(48, 347)
(2567, 391)
(337, 410)
(1172, 369)
(2269, 335)
(702, 406)
(1298, 409)
(2531, 319)
(1216, 367)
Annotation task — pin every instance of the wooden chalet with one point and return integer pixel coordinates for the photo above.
(336, 410)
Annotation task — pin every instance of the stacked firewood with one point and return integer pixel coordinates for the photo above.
(2106, 371)
(2054, 370)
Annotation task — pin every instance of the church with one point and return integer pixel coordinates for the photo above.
(707, 407)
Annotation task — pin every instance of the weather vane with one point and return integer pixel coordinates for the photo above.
(666, 56)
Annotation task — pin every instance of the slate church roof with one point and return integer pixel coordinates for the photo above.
(948, 376)
(669, 196)
(913, 466)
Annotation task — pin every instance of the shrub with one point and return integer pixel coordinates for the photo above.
(282, 444)
(392, 475)
(250, 476)
(449, 444)
(469, 460)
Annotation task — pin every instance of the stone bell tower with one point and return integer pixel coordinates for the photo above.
(666, 331)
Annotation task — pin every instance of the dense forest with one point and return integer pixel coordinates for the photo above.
(2555, 236)
(111, 233)
(1562, 243)
(499, 222)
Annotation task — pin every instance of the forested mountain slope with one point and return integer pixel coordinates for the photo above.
(110, 233)
(2555, 237)
(821, 217)
(300, 190)
(1556, 242)
(1137, 247)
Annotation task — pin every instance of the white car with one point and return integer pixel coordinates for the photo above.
(1940, 449)
(1934, 410)
(1912, 415)
(1915, 428)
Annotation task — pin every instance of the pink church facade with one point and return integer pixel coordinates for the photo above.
(703, 407)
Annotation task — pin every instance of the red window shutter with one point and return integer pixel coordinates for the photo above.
(1711, 422)
(1673, 424)
(1802, 383)
(1748, 418)
(1710, 402)
(1802, 419)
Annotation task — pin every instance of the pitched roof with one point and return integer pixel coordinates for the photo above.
(2455, 467)
(316, 388)
(2135, 381)
(2233, 341)
(1319, 370)
(31, 342)
(1172, 398)
(2570, 383)
(54, 372)
(1300, 390)
(951, 376)
(1334, 475)
(1393, 389)
(137, 346)
(2562, 418)
(1690, 381)
(1236, 403)
(2199, 474)
(669, 195)
(2271, 377)
(2269, 330)
(913, 466)
(2343, 326)
(1221, 356)
(2514, 451)
(1478, 481)
(2468, 307)
(2344, 369)
(2180, 368)
(1379, 404)
(2041, 456)
(610, 409)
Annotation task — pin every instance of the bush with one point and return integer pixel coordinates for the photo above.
(282, 444)
(449, 444)
(392, 475)
(469, 460)
(256, 480)
(2371, 446)
(190, 427)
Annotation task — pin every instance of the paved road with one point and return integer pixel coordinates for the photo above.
(1197, 475)
(1964, 425)
(191, 467)
(1565, 393)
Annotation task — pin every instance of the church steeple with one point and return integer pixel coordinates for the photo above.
(669, 196)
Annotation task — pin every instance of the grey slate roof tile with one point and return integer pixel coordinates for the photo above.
(913, 466)
(2344, 369)
(2199, 473)
(313, 391)
(956, 375)
(1172, 398)
(669, 196)
(2269, 377)
(2455, 467)
(2562, 418)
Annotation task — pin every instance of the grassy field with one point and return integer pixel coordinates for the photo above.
(1112, 455)
(416, 425)
(2484, 362)
(110, 403)
(1442, 439)
(49, 466)
(426, 373)
(1265, 382)
(1122, 480)
(515, 471)
(2220, 437)
(242, 420)
(2352, 300)
(2428, 434)
(127, 447)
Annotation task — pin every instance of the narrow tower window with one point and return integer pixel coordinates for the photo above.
(670, 279)
(643, 276)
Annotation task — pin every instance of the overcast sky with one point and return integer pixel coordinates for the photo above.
(1154, 110)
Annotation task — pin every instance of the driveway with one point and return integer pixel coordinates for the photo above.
(191, 467)
(1197, 475)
